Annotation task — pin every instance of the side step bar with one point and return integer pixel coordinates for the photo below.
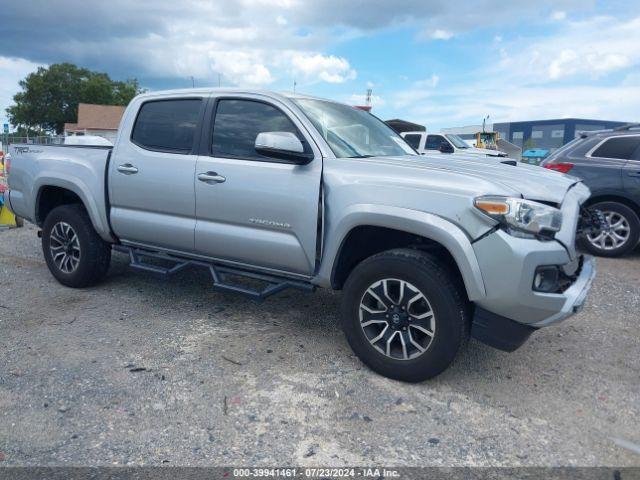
(219, 273)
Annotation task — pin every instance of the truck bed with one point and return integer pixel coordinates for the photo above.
(39, 169)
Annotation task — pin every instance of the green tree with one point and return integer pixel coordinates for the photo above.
(49, 96)
(529, 144)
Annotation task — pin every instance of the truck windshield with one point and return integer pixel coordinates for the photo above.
(353, 133)
(457, 141)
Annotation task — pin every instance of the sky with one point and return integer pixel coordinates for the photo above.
(440, 63)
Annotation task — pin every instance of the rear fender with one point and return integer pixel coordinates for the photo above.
(93, 199)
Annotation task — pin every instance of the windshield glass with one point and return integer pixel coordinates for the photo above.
(457, 141)
(353, 133)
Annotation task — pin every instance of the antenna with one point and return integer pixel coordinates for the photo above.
(483, 123)
(368, 98)
(294, 86)
(219, 77)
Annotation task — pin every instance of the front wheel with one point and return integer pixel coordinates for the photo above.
(405, 314)
(75, 254)
(620, 233)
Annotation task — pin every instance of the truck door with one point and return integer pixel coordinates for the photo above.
(260, 211)
(151, 175)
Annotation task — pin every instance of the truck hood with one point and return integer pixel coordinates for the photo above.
(529, 181)
(486, 151)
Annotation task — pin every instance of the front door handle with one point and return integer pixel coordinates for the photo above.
(127, 169)
(634, 174)
(211, 177)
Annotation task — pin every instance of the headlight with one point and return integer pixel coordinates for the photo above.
(520, 217)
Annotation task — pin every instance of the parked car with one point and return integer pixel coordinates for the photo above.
(446, 143)
(608, 161)
(300, 192)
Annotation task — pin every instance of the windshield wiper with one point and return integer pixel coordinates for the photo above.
(361, 156)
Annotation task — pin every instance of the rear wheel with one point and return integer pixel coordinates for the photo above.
(621, 232)
(405, 314)
(75, 254)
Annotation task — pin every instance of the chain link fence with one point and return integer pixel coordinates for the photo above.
(38, 140)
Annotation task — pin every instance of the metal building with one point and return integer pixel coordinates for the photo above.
(549, 134)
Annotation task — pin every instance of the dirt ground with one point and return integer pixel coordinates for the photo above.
(143, 370)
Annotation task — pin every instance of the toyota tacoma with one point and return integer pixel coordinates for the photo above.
(293, 191)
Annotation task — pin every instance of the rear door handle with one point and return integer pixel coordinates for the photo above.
(211, 177)
(634, 174)
(127, 169)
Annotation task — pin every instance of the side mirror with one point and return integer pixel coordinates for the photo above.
(282, 145)
(445, 147)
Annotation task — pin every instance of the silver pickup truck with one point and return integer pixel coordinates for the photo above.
(293, 191)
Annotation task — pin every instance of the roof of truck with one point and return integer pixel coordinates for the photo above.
(225, 90)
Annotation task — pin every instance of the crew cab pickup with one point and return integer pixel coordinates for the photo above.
(296, 191)
(446, 143)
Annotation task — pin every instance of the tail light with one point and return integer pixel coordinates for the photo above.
(562, 167)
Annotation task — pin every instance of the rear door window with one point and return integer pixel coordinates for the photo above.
(618, 147)
(413, 139)
(167, 125)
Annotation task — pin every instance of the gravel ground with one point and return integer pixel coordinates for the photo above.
(143, 370)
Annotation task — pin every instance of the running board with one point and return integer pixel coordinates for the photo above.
(219, 273)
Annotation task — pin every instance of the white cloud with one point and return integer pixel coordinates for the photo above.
(589, 49)
(280, 20)
(419, 91)
(330, 69)
(466, 106)
(13, 70)
(558, 15)
(241, 68)
(441, 34)
(572, 73)
(431, 82)
(564, 64)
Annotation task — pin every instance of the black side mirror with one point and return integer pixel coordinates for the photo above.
(445, 147)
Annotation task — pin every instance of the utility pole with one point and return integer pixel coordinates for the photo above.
(294, 86)
(368, 97)
(219, 77)
(193, 82)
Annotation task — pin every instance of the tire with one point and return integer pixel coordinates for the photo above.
(443, 295)
(87, 255)
(608, 243)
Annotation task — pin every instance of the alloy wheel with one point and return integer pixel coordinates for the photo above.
(64, 246)
(614, 234)
(397, 319)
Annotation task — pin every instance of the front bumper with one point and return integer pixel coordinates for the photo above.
(506, 334)
(508, 267)
(575, 295)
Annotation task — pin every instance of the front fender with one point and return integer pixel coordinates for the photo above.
(411, 221)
